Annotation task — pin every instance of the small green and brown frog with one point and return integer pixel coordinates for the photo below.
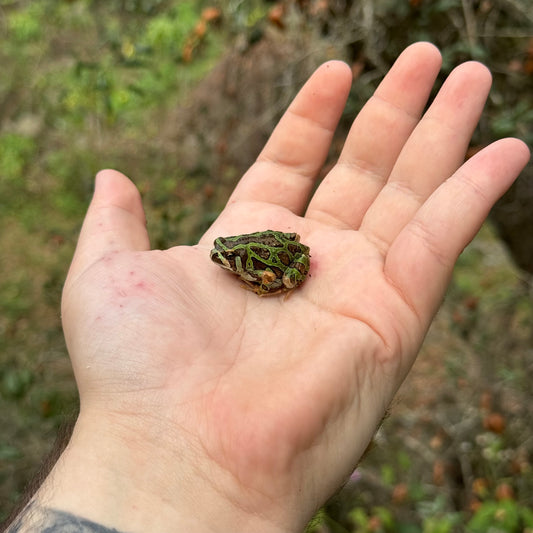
(269, 262)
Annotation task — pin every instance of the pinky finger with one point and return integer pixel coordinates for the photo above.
(422, 257)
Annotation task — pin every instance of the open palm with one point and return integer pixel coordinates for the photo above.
(269, 402)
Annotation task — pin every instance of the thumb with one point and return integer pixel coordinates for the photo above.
(115, 221)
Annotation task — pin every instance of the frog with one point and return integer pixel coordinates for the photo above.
(268, 262)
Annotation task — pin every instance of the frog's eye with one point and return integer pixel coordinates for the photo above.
(217, 258)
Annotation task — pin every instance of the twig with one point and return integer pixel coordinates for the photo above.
(470, 23)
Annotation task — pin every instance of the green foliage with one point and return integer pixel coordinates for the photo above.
(15, 297)
(9, 452)
(516, 120)
(139, 59)
(25, 25)
(441, 524)
(316, 522)
(167, 33)
(15, 152)
(496, 33)
(15, 382)
(378, 520)
(506, 516)
(144, 7)
(140, 67)
(436, 516)
(92, 90)
(244, 15)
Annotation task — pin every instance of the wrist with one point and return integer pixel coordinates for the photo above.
(128, 485)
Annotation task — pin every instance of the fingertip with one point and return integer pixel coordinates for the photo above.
(334, 75)
(425, 46)
(337, 65)
(412, 76)
(512, 152)
(476, 70)
(114, 221)
(111, 180)
(513, 143)
(522, 149)
(425, 51)
(515, 154)
(114, 188)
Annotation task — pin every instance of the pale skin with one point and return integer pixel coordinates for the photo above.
(207, 408)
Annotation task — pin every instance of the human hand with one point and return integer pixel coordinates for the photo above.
(206, 408)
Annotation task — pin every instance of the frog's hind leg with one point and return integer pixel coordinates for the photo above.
(253, 287)
(260, 290)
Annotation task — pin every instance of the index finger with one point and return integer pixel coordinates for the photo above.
(285, 170)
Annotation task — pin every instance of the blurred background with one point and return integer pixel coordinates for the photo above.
(181, 96)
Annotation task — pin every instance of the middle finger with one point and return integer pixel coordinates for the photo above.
(376, 138)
